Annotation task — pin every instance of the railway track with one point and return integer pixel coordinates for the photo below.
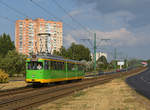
(15, 91)
(36, 97)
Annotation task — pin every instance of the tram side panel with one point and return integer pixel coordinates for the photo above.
(52, 71)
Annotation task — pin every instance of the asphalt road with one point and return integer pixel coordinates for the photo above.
(141, 83)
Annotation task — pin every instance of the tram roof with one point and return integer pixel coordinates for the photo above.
(55, 58)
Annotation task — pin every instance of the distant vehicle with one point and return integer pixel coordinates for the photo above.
(100, 72)
(144, 64)
(118, 70)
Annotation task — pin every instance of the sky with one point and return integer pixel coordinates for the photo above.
(126, 23)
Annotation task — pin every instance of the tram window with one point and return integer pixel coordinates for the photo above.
(49, 64)
(74, 67)
(46, 65)
(63, 66)
(35, 65)
(80, 67)
(57, 65)
(71, 67)
(53, 65)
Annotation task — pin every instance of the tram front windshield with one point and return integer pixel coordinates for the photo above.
(35, 65)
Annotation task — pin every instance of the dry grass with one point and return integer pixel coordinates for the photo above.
(12, 85)
(115, 95)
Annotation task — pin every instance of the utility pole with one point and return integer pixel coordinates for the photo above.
(115, 57)
(94, 47)
(126, 62)
(94, 51)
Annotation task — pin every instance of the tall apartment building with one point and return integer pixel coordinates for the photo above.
(38, 35)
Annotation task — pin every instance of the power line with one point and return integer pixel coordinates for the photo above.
(89, 42)
(102, 40)
(48, 12)
(6, 18)
(70, 15)
(15, 10)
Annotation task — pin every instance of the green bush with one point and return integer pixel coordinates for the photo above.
(13, 63)
(3, 77)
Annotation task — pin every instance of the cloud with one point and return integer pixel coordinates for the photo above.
(114, 25)
(125, 22)
(109, 21)
(119, 38)
(108, 6)
(139, 8)
(68, 39)
(75, 12)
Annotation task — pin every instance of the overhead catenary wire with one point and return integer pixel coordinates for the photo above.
(6, 18)
(38, 5)
(23, 14)
(15, 10)
(48, 12)
(89, 42)
(73, 19)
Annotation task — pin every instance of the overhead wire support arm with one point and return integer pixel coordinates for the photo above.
(101, 40)
(89, 41)
(94, 49)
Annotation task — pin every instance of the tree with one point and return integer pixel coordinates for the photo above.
(134, 62)
(61, 52)
(5, 44)
(148, 61)
(78, 52)
(125, 63)
(113, 64)
(74, 52)
(88, 65)
(56, 53)
(13, 63)
(102, 63)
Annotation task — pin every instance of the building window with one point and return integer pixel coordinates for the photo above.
(20, 23)
(20, 43)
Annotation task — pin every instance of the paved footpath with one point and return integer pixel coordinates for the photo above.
(141, 83)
